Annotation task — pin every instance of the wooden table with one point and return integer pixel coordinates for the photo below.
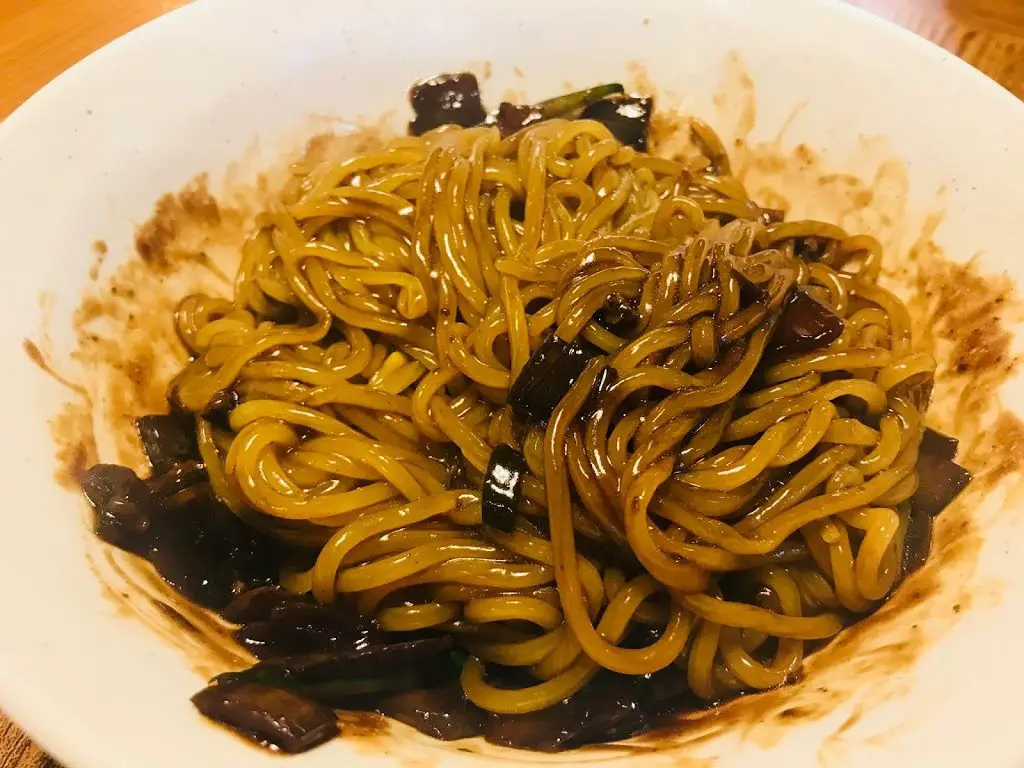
(41, 38)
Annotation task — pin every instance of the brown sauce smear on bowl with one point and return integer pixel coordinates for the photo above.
(128, 349)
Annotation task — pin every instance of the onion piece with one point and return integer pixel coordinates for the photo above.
(269, 716)
(168, 439)
(513, 117)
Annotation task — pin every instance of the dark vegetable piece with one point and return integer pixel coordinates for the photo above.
(918, 389)
(201, 549)
(939, 482)
(254, 557)
(270, 640)
(269, 716)
(503, 488)
(442, 712)
(363, 693)
(357, 693)
(188, 476)
(446, 99)
(618, 315)
(772, 216)
(806, 324)
(569, 104)
(336, 616)
(168, 439)
(363, 660)
(293, 628)
(934, 443)
(220, 407)
(513, 117)
(451, 458)
(750, 292)
(257, 604)
(627, 117)
(917, 543)
(174, 520)
(605, 378)
(357, 677)
(608, 709)
(813, 248)
(122, 506)
(548, 376)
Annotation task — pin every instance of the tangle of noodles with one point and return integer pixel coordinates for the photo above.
(716, 508)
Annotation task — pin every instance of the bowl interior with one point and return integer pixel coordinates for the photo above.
(230, 88)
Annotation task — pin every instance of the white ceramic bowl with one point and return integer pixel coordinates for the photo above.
(87, 157)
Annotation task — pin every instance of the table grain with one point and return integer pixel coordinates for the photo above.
(39, 39)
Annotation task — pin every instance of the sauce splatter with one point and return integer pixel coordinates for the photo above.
(100, 251)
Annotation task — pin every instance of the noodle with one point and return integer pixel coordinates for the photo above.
(718, 507)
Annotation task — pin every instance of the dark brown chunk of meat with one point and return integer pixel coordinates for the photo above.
(443, 712)
(446, 100)
(168, 439)
(552, 370)
(805, 325)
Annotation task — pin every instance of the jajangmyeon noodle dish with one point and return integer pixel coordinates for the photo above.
(513, 429)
